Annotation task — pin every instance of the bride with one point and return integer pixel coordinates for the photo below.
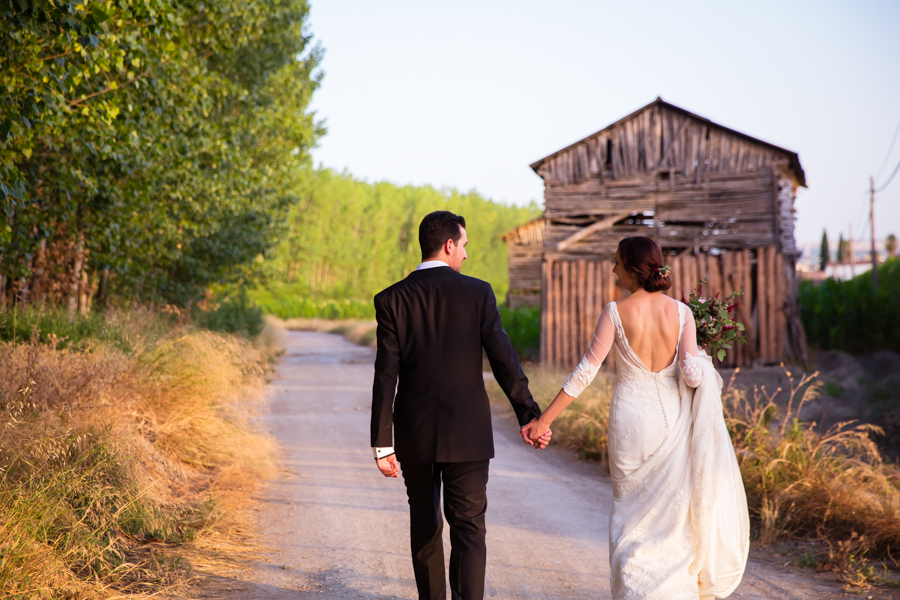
(679, 527)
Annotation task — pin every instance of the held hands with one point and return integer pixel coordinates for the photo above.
(388, 466)
(536, 434)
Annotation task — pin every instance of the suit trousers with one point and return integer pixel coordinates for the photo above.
(465, 504)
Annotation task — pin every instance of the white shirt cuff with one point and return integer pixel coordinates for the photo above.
(382, 452)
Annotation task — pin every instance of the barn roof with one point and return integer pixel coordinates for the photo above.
(532, 227)
(792, 156)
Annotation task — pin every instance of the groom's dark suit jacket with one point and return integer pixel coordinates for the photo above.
(432, 327)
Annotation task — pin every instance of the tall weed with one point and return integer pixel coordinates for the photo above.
(583, 426)
(801, 482)
(833, 485)
(114, 465)
(121, 329)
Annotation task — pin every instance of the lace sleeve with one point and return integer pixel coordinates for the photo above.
(691, 367)
(586, 371)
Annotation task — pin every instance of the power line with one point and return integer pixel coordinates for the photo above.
(891, 178)
(888, 155)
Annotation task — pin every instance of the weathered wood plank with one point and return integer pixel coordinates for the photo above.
(586, 231)
(746, 308)
(780, 322)
(544, 358)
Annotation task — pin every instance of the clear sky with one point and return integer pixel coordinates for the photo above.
(467, 94)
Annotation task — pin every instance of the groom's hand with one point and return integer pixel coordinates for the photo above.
(389, 466)
(539, 442)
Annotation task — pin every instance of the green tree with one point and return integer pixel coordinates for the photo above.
(148, 147)
(843, 250)
(824, 252)
(890, 245)
(348, 239)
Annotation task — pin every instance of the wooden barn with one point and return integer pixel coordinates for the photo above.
(719, 202)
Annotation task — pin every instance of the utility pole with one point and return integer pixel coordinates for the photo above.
(872, 220)
(852, 254)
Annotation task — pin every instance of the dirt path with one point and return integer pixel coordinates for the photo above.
(342, 528)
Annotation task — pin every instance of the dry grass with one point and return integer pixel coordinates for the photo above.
(802, 483)
(357, 331)
(116, 466)
(833, 485)
(581, 427)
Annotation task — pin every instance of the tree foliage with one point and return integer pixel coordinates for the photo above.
(843, 250)
(824, 252)
(854, 315)
(349, 239)
(148, 147)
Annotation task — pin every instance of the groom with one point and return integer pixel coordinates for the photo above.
(432, 327)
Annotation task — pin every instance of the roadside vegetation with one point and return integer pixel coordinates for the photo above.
(348, 239)
(523, 325)
(149, 151)
(830, 487)
(854, 316)
(128, 453)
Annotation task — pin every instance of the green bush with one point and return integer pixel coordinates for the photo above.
(285, 303)
(234, 315)
(54, 325)
(854, 316)
(523, 325)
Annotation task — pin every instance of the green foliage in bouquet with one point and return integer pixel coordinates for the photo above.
(716, 328)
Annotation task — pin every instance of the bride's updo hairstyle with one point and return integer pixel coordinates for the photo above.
(642, 257)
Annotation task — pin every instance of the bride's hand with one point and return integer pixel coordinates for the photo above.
(537, 434)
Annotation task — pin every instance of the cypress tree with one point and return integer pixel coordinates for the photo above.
(824, 252)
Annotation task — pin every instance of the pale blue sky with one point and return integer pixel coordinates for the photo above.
(467, 94)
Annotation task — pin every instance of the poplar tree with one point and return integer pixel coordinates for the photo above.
(148, 148)
(824, 252)
(843, 250)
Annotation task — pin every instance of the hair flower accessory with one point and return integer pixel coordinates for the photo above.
(664, 270)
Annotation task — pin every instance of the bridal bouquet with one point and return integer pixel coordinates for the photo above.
(716, 328)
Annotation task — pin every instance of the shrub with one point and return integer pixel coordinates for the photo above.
(286, 305)
(523, 325)
(52, 325)
(234, 315)
(854, 316)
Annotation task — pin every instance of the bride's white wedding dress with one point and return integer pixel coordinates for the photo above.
(679, 527)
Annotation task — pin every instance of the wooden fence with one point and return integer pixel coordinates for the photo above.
(575, 292)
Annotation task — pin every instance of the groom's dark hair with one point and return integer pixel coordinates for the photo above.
(436, 228)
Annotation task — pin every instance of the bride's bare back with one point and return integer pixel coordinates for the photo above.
(650, 322)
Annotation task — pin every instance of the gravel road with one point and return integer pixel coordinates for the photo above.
(341, 529)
